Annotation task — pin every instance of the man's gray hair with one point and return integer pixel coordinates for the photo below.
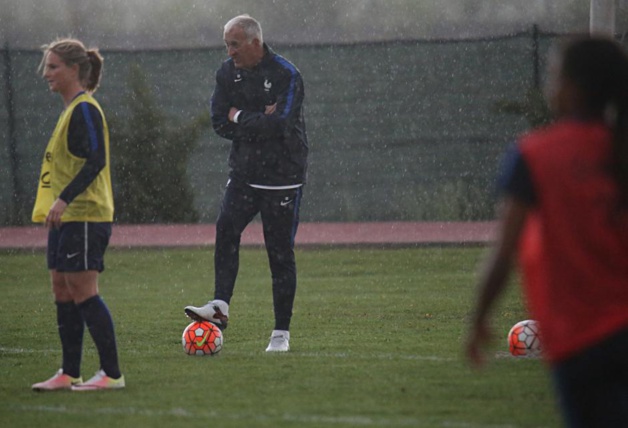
(251, 27)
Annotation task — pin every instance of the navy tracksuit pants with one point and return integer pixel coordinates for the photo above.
(279, 211)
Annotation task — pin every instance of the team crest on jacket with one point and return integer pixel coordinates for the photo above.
(267, 85)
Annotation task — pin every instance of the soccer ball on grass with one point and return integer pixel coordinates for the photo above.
(202, 338)
(523, 339)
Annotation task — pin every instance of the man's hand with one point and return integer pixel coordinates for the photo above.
(270, 109)
(267, 110)
(232, 113)
(53, 219)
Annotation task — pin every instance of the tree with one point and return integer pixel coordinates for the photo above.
(150, 153)
(533, 108)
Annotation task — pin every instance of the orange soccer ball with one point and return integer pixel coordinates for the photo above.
(523, 339)
(202, 338)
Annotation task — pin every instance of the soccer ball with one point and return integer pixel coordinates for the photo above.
(523, 339)
(202, 338)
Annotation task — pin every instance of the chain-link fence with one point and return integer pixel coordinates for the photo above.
(406, 130)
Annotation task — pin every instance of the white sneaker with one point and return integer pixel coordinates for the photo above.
(216, 311)
(279, 341)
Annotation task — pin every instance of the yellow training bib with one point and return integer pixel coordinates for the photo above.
(60, 166)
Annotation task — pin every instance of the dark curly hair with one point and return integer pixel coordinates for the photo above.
(599, 67)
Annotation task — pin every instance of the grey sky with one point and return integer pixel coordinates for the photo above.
(192, 23)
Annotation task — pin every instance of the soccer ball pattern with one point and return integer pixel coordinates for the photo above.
(202, 338)
(523, 339)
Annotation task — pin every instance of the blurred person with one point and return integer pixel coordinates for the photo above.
(258, 104)
(565, 214)
(75, 202)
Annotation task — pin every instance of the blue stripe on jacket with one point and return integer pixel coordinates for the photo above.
(292, 88)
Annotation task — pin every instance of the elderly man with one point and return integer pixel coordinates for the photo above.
(257, 104)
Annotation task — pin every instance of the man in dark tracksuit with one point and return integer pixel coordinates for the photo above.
(257, 104)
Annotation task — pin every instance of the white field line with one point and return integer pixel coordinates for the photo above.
(312, 419)
(343, 355)
(294, 354)
(5, 350)
(297, 354)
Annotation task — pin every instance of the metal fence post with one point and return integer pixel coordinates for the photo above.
(536, 57)
(15, 213)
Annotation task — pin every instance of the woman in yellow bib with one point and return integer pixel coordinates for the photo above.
(75, 201)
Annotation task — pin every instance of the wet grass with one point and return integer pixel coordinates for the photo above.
(376, 341)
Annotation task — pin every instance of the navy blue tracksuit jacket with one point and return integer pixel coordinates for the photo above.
(267, 150)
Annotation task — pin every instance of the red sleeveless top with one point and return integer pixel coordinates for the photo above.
(574, 250)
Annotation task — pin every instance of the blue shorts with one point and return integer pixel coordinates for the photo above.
(78, 246)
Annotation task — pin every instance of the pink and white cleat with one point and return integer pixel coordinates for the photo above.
(99, 382)
(58, 382)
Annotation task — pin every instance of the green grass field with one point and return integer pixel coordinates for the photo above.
(376, 342)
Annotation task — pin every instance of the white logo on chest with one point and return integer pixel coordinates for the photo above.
(267, 85)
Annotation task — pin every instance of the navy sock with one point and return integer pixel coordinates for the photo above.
(100, 324)
(71, 327)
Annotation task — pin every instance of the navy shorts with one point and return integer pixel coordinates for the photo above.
(78, 246)
(593, 385)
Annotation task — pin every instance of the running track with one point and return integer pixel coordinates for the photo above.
(309, 234)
